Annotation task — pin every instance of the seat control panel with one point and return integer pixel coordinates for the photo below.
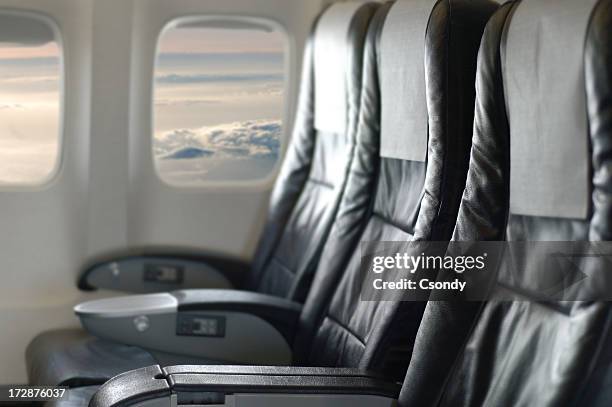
(200, 325)
(158, 273)
(163, 273)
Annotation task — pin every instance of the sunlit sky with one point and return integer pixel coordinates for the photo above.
(29, 112)
(11, 51)
(219, 93)
(215, 76)
(204, 78)
(220, 41)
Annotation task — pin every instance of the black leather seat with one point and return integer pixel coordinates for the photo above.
(543, 111)
(405, 182)
(314, 174)
(418, 96)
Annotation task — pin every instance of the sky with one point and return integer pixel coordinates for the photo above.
(218, 101)
(218, 96)
(29, 113)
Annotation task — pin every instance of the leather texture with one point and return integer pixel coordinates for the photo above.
(308, 190)
(72, 357)
(399, 200)
(279, 380)
(208, 385)
(523, 352)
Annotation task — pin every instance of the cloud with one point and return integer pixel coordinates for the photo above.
(177, 79)
(188, 153)
(254, 138)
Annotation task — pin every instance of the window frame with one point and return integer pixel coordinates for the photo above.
(262, 183)
(55, 172)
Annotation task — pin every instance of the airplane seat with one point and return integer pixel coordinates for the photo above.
(405, 182)
(309, 188)
(539, 173)
(303, 203)
(425, 120)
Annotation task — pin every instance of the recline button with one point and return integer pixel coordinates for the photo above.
(200, 325)
(164, 273)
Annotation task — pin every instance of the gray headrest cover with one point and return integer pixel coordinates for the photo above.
(545, 92)
(404, 117)
(331, 60)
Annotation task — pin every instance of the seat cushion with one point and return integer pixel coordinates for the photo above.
(72, 357)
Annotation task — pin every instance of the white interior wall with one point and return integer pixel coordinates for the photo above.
(106, 195)
(42, 236)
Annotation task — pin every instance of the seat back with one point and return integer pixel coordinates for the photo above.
(539, 172)
(406, 179)
(313, 175)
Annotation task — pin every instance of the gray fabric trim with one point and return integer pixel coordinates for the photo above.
(331, 52)
(545, 91)
(404, 128)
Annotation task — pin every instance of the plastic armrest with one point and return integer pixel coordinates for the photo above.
(242, 386)
(220, 325)
(162, 272)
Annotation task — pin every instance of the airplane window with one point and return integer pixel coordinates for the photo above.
(218, 103)
(30, 99)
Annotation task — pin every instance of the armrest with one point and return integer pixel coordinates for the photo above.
(252, 386)
(162, 272)
(221, 325)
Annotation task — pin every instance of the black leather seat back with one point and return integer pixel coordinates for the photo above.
(406, 179)
(313, 175)
(539, 171)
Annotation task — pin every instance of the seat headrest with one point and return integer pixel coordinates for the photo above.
(332, 48)
(543, 70)
(404, 119)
